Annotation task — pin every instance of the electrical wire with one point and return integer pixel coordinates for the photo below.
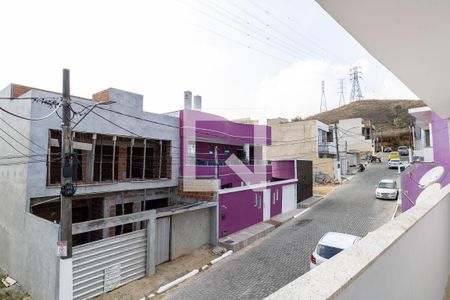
(268, 37)
(32, 119)
(22, 135)
(11, 137)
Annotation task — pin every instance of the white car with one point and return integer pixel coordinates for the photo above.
(394, 163)
(329, 245)
(387, 189)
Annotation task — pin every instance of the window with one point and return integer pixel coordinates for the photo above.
(191, 154)
(327, 251)
(226, 150)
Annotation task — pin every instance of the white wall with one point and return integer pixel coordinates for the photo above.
(407, 258)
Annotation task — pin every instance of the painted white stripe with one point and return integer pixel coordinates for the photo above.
(301, 213)
(216, 260)
(176, 282)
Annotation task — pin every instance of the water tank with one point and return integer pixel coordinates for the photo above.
(198, 102)
(187, 100)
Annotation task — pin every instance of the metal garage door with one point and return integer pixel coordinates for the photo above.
(162, 240)
(103, 265)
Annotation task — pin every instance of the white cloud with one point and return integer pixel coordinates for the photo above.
(296, 90)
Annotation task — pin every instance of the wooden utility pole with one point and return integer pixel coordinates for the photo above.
(67, 187)
(337, 153)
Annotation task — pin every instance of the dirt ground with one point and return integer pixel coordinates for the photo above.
(14, 292)
(323, 189)
(164, 273)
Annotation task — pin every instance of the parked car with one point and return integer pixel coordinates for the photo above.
(393, 155)
(403, 150)
(387, 189)
(387, 149)
(329, 245)
(394, 163)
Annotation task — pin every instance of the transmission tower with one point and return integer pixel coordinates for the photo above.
(355, 76)
(323, 99)
(341, 92)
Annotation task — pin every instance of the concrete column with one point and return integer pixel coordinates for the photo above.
(65, 279)
(151, 244)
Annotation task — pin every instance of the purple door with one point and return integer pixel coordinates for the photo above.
(276, 197)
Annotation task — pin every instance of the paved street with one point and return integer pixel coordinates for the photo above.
(282, 256)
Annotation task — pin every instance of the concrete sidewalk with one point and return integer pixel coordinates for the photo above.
(245, 237)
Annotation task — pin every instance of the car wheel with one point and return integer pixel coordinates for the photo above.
(396, 196)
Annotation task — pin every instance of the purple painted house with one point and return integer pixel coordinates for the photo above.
(431, 149)
(225, 158)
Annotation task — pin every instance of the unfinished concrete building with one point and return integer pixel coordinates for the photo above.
(126, 204)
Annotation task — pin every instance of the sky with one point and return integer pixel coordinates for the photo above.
(246, 58)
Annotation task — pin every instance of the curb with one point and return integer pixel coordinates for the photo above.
(194, 272)
(177, 281)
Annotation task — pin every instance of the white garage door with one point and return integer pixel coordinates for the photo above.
(289, 198)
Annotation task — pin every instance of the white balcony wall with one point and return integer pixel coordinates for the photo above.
(407, 258)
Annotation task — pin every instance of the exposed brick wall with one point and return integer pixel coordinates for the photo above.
(96, 211)
(201, 196)
(18, 90)
(85, 166)
(122, 164)
(112, 213)
(101, 96)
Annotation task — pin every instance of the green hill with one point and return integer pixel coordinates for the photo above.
(388, 115)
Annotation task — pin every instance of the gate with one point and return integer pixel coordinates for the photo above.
(103, 265)
(305, 180)
(162, 240)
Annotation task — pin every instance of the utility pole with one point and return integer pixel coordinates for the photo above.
(341, 92)
(67, 187)
(337, 152)
(355, 76)
(323, 99)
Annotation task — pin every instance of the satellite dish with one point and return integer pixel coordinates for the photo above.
(432, 176)
(428, 192)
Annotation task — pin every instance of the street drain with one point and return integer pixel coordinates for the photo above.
(303, 222)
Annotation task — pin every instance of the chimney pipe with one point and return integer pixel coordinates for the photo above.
(187, 100)
(198, 102)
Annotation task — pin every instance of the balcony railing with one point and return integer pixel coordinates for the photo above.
(327, 148)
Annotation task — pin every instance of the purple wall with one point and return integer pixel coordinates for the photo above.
(283, 169)
(240, 210)
(200, 125)
(441, 150)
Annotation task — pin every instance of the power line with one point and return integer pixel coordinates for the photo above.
(301, 35)
(32, 119)
(31, 150)
(285, 44)
(278, 48)
(22, 135)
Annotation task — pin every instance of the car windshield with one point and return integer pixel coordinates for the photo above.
(386, 185)
(402, 148)
(327, 251)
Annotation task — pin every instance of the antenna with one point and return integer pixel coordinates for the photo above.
(341, 92)
(355, 75)
(323, 99)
